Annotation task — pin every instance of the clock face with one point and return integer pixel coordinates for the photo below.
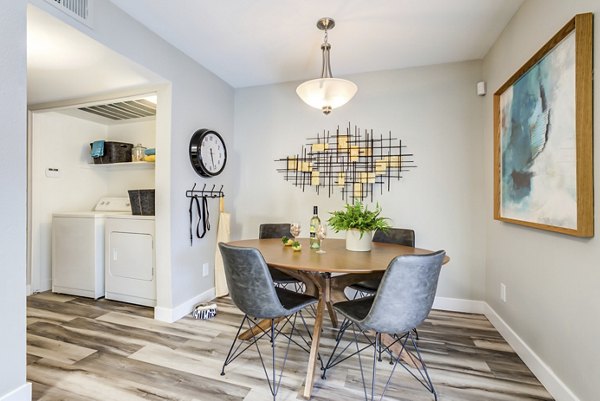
(212, 153)
(208, 153)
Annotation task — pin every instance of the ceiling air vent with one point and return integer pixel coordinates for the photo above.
(78, 9)
(123, 110)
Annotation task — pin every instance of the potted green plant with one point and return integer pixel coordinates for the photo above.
(359, 223)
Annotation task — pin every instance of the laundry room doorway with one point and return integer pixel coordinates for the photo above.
(83, 96)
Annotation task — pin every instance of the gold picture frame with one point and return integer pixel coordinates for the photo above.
(543, 136)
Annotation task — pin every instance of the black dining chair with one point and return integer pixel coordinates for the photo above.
(252, 291)
(279, 230)
(402, 302)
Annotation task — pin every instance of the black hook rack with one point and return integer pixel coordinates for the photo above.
(209, 193)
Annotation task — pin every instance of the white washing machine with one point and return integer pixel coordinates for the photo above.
(78, 248)
(130, 274)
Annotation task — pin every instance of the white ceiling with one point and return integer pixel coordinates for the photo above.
(63, 63)
(258, 42)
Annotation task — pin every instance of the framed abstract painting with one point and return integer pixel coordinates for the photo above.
(543, 157)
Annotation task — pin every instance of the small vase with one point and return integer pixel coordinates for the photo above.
(354, 242)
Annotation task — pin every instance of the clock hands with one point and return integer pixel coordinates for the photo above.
(212, 158)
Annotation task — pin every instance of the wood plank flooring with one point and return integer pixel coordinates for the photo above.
(81, 349)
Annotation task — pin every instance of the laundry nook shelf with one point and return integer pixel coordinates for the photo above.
(124, 166)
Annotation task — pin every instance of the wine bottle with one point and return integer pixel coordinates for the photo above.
(315, 221)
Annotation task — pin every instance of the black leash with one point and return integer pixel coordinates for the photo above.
(203, 217)
(199, 216)
(191, 220)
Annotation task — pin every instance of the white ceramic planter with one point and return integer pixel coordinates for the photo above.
(354, 242)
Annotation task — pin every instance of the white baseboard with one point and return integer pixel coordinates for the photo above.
(543, 372)
(22, 393)
(170, 315)
(459, 305)
(28, 289)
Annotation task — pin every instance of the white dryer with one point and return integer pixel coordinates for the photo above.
(130, 274)
(78, 248)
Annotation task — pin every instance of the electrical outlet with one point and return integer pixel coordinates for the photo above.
(503, 292)
(204, 269)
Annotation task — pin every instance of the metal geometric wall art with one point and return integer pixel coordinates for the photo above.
(354, 163)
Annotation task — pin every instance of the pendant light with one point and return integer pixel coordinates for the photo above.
(326, 93)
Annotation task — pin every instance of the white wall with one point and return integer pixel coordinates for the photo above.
(553, 280)
(436, 113)
(134, 131)
(193, 98)
(61, 142)
(13, 212)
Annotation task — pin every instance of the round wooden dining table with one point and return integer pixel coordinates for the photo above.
(325, 276)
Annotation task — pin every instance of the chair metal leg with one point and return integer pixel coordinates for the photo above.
(273, 381)
(423, 377)
(376, 350)
(361, 294)
(339, 336)
(274, 389)
(273, 332)
(408, 338)
(362, 371)
(234, 353)
(227, 360)
(345, 324)
(426, 379)
(337, 359)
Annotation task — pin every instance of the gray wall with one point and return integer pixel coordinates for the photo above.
(13, 202)
(436, 113)
(553, 280)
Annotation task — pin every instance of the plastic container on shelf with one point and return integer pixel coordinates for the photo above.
(137, 153)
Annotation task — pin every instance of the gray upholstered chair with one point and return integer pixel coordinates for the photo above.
(402, 302)
(279, 230)
(400, 236)
(252, 291)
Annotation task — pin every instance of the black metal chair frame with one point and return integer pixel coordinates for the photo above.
(274, 331)
(298, 286)
(407, 338)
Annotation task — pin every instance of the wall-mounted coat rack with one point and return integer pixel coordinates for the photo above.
(198, 198)
(209, 193)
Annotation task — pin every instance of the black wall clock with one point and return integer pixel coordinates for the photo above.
(208, 153)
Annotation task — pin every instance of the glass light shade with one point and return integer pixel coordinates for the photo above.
(326, 93)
